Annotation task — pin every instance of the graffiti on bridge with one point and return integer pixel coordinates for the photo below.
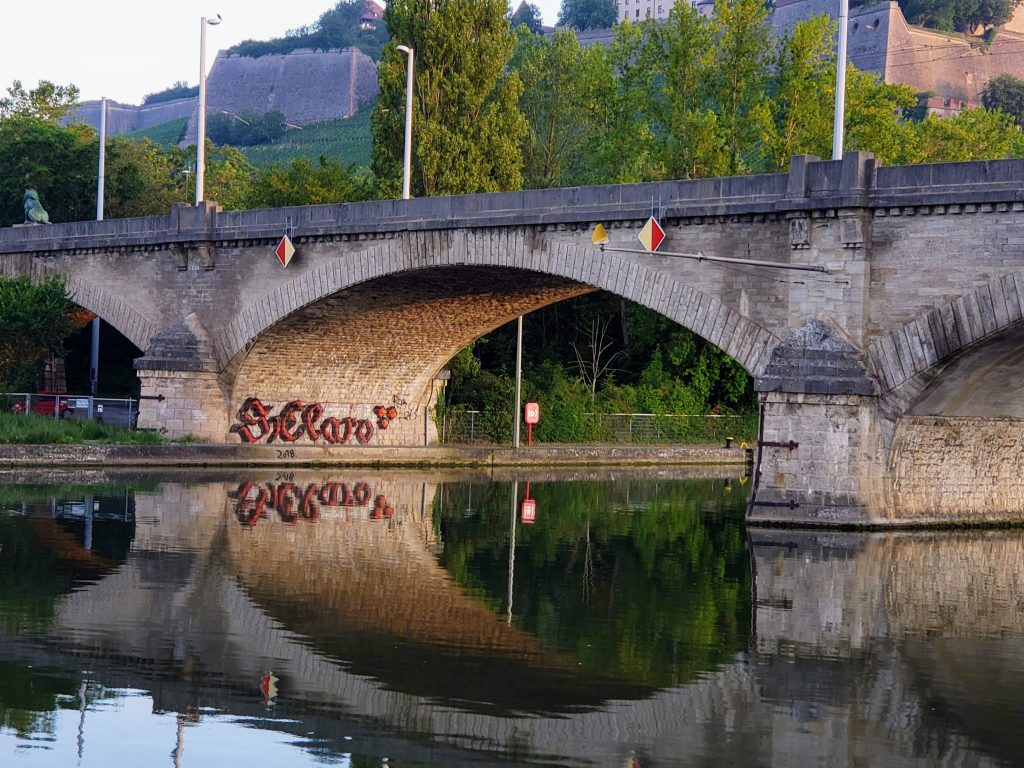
(295, 420)
(291, 502)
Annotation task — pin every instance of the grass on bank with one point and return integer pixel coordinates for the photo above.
(16, 429)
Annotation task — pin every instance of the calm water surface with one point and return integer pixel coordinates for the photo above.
(399, 618)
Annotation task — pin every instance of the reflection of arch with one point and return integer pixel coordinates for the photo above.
(738, 336)
(91, 296)
(912, 354)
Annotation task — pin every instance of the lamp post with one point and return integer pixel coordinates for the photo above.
(407, 168)
(94, 348)
(837, 128)
(201, 133)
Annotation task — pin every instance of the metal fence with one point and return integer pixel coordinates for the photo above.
(467, 426)
(118, 412)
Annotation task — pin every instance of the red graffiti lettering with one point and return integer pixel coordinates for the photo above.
(292, 503)
(295, 421)
(252, 414)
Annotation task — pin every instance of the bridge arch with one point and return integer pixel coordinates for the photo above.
(90, 295)
(589, 268)
(909, 358)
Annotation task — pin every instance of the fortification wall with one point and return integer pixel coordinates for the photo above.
(122, 118)
(305, 85)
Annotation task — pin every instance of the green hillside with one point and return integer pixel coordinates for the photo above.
(345, 141)
(165, 134)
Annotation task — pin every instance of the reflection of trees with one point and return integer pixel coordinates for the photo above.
(645, 580)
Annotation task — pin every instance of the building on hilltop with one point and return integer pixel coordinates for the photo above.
(638, 10)
(371, 16)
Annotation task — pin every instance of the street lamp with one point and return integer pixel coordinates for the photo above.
(840, 110)
(201, 137)
(410, 53)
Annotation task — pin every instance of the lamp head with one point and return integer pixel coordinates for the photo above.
(215, 20)
(404, 49)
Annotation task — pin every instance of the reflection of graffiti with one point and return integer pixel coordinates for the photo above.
(296, 420)
(254, 501)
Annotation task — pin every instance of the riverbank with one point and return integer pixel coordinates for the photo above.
(204, 455)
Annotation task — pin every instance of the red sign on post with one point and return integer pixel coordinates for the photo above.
(531, 414)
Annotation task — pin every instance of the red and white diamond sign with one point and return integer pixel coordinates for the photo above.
(652, 235)
(284, 251)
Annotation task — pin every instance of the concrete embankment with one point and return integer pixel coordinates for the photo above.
(201, 455)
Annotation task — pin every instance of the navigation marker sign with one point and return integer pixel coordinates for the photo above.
(652, 235)
(284, 251)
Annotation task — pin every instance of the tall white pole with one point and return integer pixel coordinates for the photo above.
(101, 175)
(201, 122)
(837, 132)
(94, 348)
(407, 165)
(519, 382)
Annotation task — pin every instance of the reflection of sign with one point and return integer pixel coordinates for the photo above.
(528, 514)
(532, 413)
(284, 251)
(268, 687)
(652, 235)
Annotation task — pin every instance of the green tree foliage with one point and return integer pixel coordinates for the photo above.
(564, 87)
(180, 90)
(46, 101)
(958, 15)
(337, 28)
(469, 129)
(34, 321)
(246, 129)
(529, 15)
(58, 162)
(305, 182)
(1005, 92)
(587, 14)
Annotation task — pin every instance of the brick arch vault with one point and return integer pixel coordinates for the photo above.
(357, 337)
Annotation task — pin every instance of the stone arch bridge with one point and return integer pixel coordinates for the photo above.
(889, 380)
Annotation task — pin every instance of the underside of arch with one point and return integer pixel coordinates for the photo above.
(464, 251)
(370, 353)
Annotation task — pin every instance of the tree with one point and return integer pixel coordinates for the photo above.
(562, 103)
(305, 182)
(1005, 92)
(34, 321)
(588, 14)
(529, 15)
(469, 129)
(180, 90)
(800, 111)
(958, 15)
(46, 101)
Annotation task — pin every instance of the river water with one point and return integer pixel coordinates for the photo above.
(570, 618)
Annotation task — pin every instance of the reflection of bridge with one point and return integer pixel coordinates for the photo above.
(205, 605)
(921, 266)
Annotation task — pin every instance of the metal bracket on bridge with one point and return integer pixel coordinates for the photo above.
(701, 257)
(159, 398)
(788, 504)
(791, 445)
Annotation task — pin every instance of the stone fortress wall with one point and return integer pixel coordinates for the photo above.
(305, 85)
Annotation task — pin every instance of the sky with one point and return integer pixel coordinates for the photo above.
(124, 49)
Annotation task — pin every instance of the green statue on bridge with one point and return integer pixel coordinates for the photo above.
(34, 211)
